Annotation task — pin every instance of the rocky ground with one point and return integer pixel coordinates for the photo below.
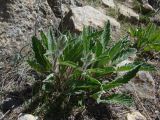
(21, 19)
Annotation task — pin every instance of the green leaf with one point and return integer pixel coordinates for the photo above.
(51, 42)
(47, 87)
(146, 37)
(89, 83)
(49, 78)
(95, 34)
(73, 51)
(118, 47)
(35, 65)
(69, 64)
(106, 35)
(123, 55)
(86, 41)
(153, 46)
(103, 59)
(122, 80)
(118, 99)
(37, 47)
(99, 48)
(39, 52)
(92, 81)
(144, 66)
(44, 39)
(97, 96)
(102, 71)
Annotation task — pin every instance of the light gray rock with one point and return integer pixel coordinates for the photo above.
(147, 8)
(20, 19)
(78, 17)
(2, 65)
(65, 10)
(109, 3)
(144, 1)
(143, 84)
(126, 12)
(27, 117)
(135, 116)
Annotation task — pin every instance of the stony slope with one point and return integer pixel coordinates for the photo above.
(20, 19)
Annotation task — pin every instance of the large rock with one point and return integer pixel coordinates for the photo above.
(127, 13)
(109, 3)
(78, 17)
(20, 19)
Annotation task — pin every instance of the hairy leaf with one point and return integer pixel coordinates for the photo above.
(122, 80)
(106, 36)
(118, 99)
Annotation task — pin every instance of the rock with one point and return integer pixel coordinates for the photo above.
(130, 1)
(27, 117)
(78, 17)
(2, 65)
(154, 3)
(126, 12)
(157, 115)
(143, 84)
(156, 19)
(147, 8)
(109, 3)
(20, 18)
(65, 10)
(143, 1)
(135, 116)
(10, 103)
(58, 5)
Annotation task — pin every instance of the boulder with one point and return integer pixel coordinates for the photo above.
(20, 19)
(109, 3)
(27, 117)
(127, 13)
(135, 116)
(78, 17)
